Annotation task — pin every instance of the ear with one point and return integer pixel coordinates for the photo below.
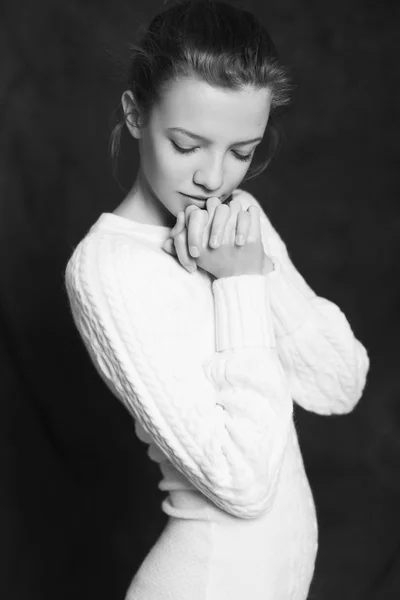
(132, 113)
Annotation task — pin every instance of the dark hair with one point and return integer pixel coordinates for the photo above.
(211, 40)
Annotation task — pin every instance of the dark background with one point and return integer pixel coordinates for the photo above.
(79, 504)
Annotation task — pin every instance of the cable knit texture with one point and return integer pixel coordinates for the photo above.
(209, 369)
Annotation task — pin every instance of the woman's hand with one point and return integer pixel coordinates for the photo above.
(229, 255)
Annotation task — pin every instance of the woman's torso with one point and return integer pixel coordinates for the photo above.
(222, 557)
(203, 552)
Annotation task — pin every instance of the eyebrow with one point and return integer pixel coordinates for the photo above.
(199, 137)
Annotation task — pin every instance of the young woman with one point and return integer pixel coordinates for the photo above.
(209, 361)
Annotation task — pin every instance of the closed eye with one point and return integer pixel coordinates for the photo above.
(242, 157)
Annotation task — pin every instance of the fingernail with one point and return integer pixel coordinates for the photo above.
(194, 251)
(214, 240)
(239, 240)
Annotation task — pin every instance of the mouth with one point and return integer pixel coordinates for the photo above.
(198, 201)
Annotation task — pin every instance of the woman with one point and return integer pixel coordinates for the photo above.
(207, 350)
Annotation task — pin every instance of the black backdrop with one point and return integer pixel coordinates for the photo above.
(79, 501)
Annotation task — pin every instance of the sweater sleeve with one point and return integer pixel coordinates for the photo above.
(325, 364)
(223, 422)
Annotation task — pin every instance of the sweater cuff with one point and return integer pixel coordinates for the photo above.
(243, 317)
(289, 306)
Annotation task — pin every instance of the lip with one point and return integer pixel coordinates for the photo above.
(201, 201)
(201, 198)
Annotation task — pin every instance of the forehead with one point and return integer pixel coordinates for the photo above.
(215, 111)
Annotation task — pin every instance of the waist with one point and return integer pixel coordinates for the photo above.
(188, 504)
(184, 501)
(293, 498)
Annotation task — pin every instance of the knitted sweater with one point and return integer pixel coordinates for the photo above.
(209, 368)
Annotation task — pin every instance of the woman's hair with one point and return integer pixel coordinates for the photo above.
(210, 40)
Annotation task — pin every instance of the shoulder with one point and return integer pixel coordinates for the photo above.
(116, 296)
(114, 269)
(108, 253)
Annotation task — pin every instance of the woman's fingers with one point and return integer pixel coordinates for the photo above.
(179, 225)
(224, 223)
(221, 216)
(242, 227)
(196, 220)
(181, 247)
(198, 223)
(254, 233)
(169, 246)
(192, 230)
(188, 211)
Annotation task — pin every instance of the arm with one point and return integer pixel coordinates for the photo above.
(223, 421)
(326, 365)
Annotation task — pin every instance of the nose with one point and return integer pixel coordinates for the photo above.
(210, 176)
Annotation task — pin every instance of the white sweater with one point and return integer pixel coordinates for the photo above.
(209, 368)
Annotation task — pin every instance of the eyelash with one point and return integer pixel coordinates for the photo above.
(246, 158)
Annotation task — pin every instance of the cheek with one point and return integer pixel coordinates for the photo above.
(153, 161)
(238, 169)
(236, 177)
(166, 170)
(172, 166)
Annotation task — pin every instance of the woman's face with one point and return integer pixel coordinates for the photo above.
(173, 163)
